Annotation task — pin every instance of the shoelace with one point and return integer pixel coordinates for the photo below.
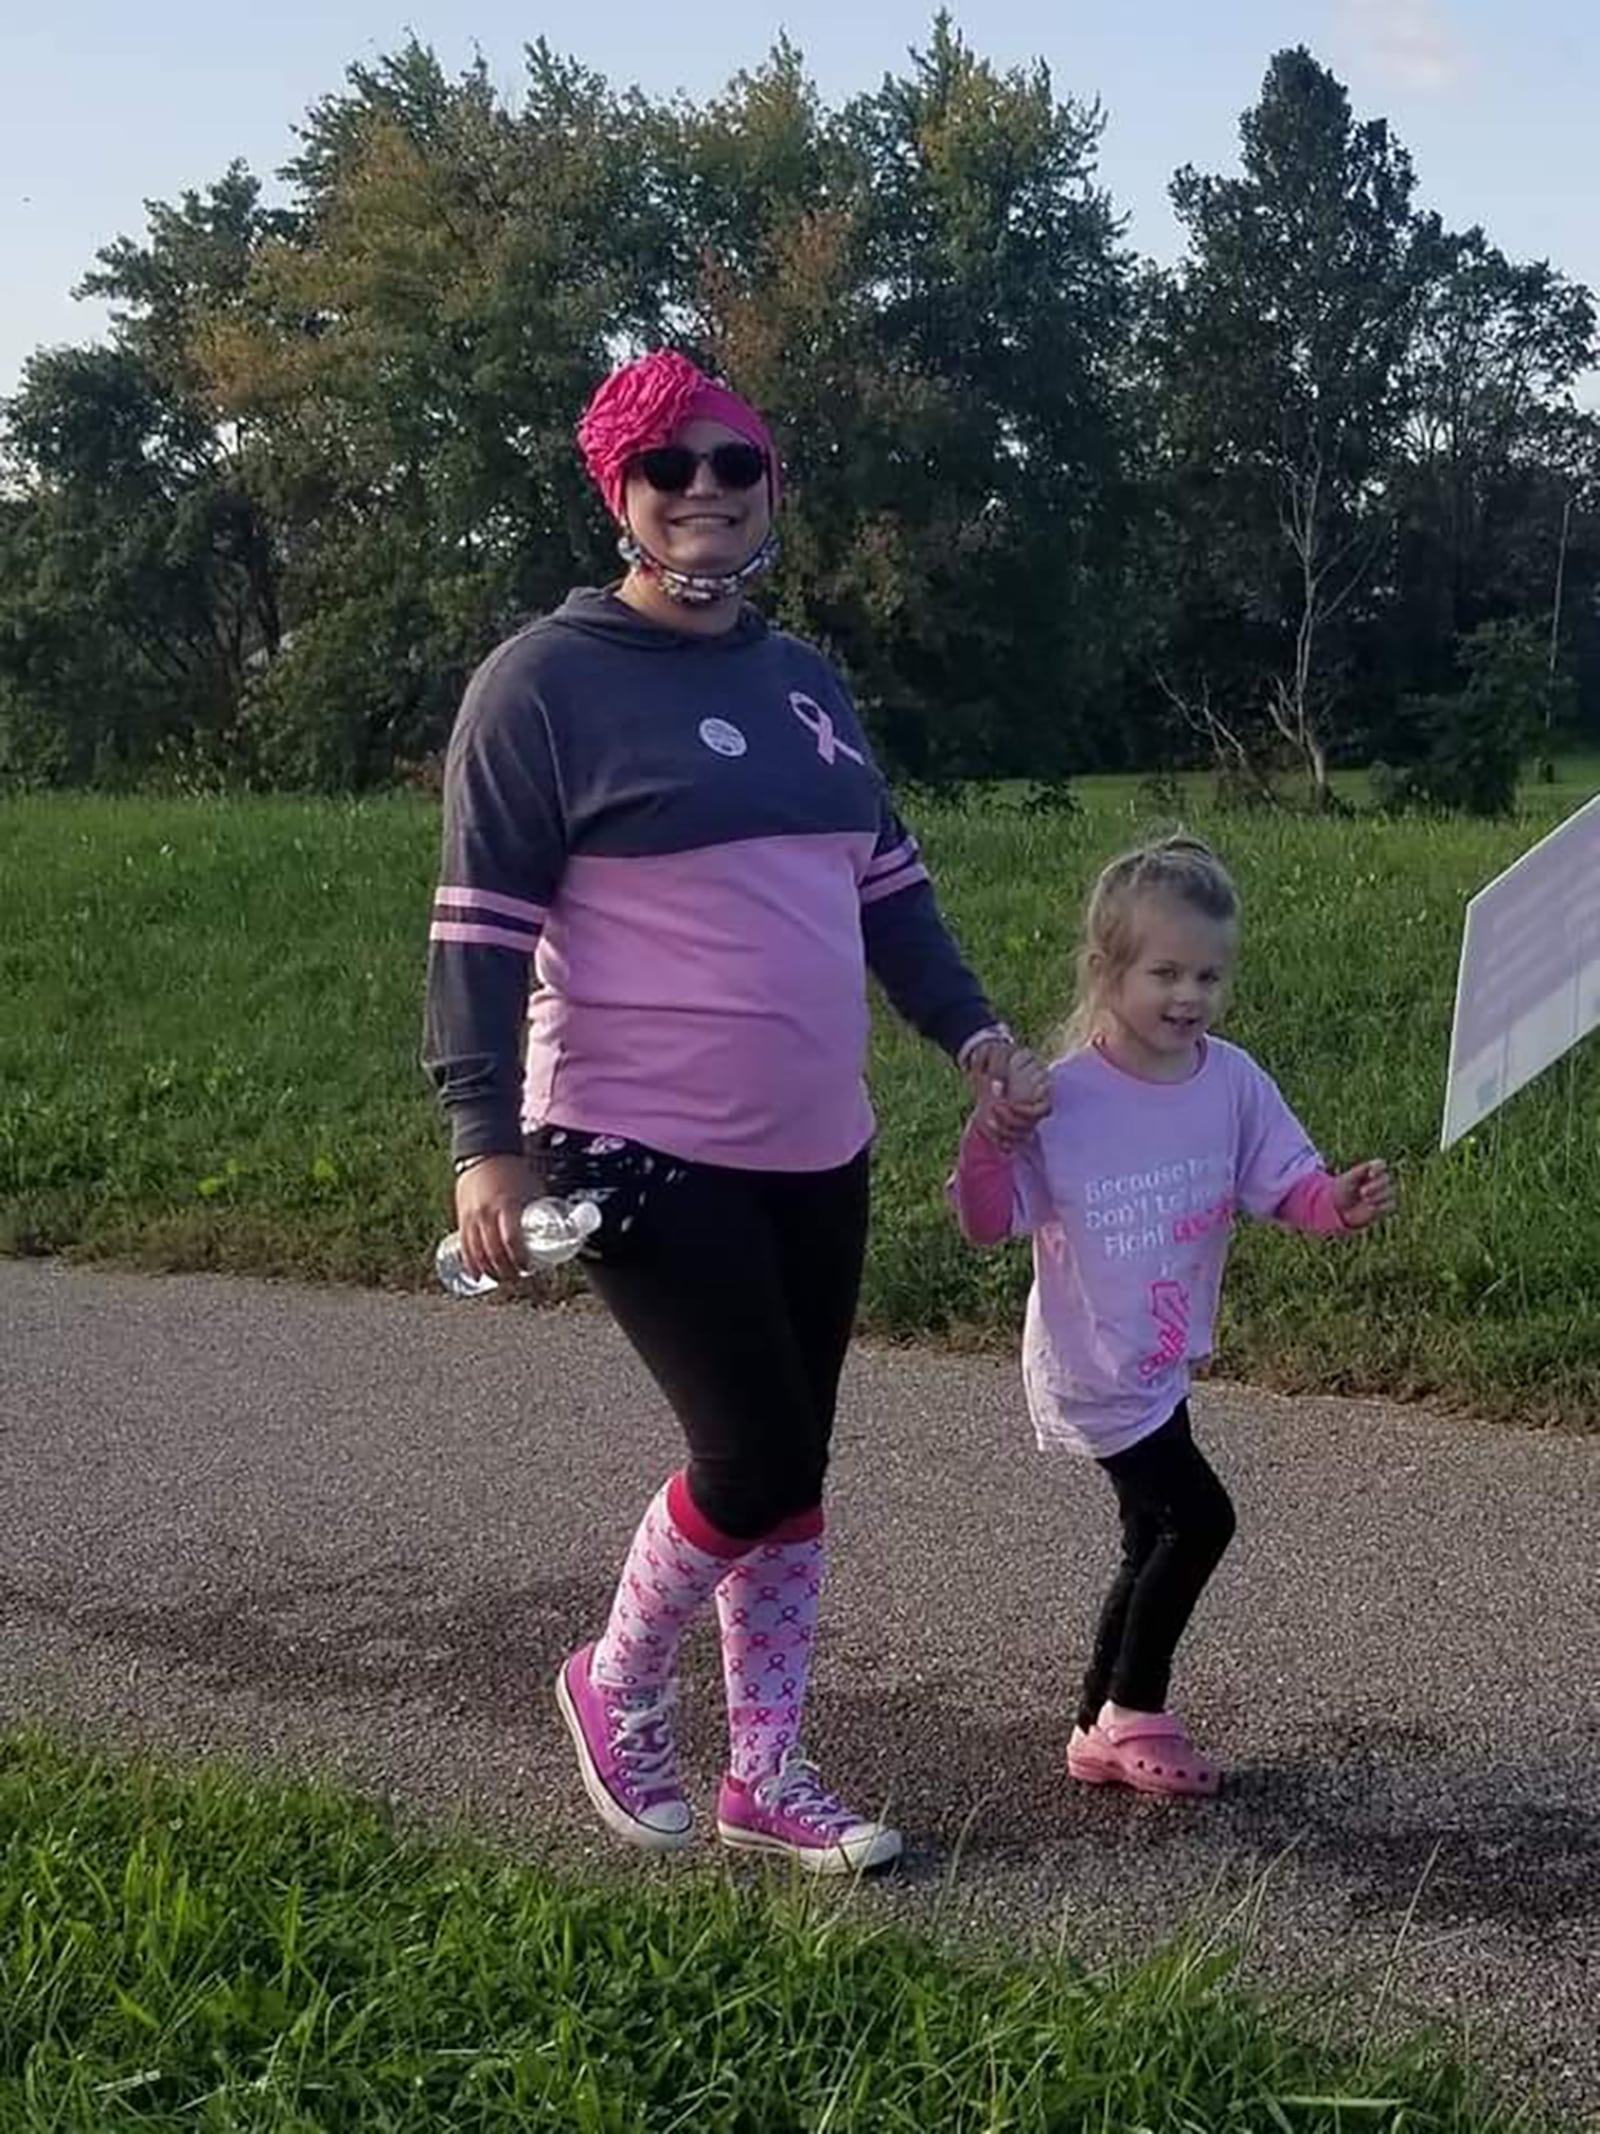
(796, 1787)
(642, 1742)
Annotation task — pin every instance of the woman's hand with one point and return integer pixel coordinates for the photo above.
(490, 1197)
(1011, 1087)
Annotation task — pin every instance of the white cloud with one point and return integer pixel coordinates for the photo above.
(1408, 42)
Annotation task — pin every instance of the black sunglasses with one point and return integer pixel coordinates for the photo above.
(671, 469)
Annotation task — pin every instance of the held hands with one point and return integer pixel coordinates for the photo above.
(490, 1198)
(1012, 1088)
(1364, 1195)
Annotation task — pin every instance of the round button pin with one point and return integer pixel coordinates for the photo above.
(722, 737)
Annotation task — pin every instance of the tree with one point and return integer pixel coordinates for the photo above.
(1480, 494)
(929, 287)
(412, 362)
(1281, 342)
(150, 564)
(996, 261)
(135, 569)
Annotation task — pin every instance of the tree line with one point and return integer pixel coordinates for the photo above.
(1321, 491)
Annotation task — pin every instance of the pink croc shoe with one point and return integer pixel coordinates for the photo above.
(1150, 1752)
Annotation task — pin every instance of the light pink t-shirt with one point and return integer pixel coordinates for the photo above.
(1130, 1190)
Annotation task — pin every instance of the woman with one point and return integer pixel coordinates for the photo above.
(669, 814)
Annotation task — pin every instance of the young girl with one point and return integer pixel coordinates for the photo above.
(1158, 1136)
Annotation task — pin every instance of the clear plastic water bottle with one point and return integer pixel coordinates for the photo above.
(552, 1231)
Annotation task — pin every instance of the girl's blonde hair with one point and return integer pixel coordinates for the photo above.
(1181, 867)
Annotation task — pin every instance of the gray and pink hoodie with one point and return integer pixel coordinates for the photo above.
(675, 856)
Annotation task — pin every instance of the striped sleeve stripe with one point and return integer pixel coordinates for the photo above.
(482, 936)
(890, 862)
(455, 898)
(890, 885)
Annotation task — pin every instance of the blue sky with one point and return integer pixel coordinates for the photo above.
(104, 105)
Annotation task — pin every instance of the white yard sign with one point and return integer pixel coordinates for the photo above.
(1530, 972)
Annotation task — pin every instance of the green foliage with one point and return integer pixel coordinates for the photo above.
(1039, 496)
(1472, 743)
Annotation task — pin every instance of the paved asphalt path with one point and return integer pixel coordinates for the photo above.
(357, 1532)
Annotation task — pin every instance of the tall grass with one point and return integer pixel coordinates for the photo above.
(209, 1953)
(210, 1013)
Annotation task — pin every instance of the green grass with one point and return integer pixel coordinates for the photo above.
(212, 1011)
(206, 1953)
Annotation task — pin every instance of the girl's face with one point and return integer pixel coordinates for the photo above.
(1172, 992)
(693, 516)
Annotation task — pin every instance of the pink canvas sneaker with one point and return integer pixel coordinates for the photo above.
(790, 1812)
(626, 1755)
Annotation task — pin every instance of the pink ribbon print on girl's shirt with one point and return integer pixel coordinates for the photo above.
(1169, 1307)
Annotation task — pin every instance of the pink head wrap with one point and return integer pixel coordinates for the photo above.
(645, 404)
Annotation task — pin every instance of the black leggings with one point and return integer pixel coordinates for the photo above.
(738, 1290)
(1177, 1521)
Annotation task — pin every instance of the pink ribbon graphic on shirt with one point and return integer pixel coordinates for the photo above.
(815, 720)
(1169, 1307)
